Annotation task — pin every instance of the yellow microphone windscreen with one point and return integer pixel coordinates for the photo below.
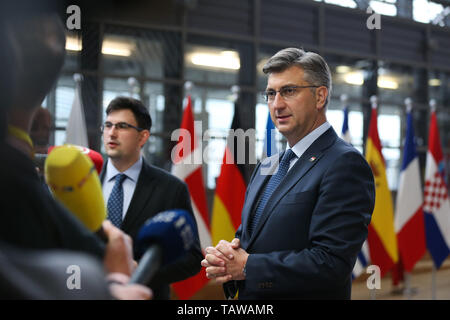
(72, 177)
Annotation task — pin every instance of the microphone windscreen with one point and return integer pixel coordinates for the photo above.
(95, 156)
(173, 230)
(72, 177)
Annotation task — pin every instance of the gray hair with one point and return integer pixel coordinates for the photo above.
(316, 70)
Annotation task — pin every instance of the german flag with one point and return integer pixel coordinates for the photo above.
(382, 239)
(230, 189)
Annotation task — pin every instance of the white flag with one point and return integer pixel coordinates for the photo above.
(76, 132)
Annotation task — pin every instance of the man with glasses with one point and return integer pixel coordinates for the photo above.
(135, 191)
(307, 209)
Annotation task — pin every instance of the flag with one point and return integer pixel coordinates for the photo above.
(345, 133)
(362, 261)
(187, 166)
(76, 132)
(409, 219)
(381, 237)
(436, 201)
(230, 192)
(270, 143)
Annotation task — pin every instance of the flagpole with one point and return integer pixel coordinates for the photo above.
(433, 282)
(188, 86)
(132, 83)
(235, 93)
(373, 103)
(433, 270)
(78, 78)
(408, 290)
(344, 99)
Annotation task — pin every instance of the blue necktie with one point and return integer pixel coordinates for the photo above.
(271, 186)
(115, 201)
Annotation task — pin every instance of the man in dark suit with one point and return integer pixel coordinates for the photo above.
(145, 189)
(307, 209)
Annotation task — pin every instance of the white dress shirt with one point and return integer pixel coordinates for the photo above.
(300, 147)
(128, 185)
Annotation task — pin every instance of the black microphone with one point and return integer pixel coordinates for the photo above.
(163, 239)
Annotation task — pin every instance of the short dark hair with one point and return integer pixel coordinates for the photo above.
(140, 112)
(316, 70)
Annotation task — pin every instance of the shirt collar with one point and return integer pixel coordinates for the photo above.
(131, 173)
(300, 147)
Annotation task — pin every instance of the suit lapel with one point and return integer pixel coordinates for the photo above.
(269, 164)
(307, 161)
(143, 191)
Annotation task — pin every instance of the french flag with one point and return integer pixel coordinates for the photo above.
(409, 218)
(436, 201)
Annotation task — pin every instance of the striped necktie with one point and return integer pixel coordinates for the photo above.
(271, 186)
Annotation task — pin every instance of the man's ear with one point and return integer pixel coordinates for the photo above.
(145, 134)
(321, 97)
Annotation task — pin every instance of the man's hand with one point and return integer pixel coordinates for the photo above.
(225, 262)
(119, 253)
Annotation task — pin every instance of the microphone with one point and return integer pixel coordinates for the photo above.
(163, 239)
(95, 156)
(72, 177)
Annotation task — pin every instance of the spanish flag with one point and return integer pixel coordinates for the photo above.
(230, 191)
(381, 238)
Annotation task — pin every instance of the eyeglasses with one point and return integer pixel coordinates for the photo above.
(121, 126)
(285, 92)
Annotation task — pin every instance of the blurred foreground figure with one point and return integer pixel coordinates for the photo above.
(31, 56)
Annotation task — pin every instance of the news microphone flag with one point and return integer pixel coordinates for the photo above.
(436, 200)
(270, 143)
(72, 177)
(76, 132)
(409, 219)
(164, 239)
(187, 158)
(381, 238)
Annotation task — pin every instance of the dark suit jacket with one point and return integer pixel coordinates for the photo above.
(313, 227)
(157, 191)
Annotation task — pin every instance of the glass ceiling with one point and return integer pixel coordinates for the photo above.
(425, 11)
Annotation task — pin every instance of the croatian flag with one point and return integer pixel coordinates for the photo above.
(409, 219)
(436, 205)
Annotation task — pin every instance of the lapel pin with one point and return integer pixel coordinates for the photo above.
(312, 159)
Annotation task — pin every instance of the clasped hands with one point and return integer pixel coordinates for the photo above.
(226, 261)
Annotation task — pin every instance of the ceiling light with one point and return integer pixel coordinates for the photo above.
(109, 46)
(434, 82)
(343, 69)
(387, 83)
(355, 78)
(222, 60)
(117, 48)
(73, 44)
